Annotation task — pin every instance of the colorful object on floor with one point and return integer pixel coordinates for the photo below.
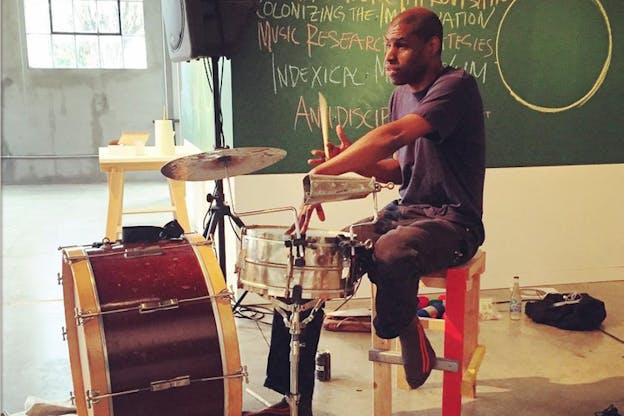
(422, 301)
(434, 309)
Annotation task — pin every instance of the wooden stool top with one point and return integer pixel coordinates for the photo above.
(474, 266)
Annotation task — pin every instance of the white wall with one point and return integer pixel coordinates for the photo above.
(549, 225)
(554, 224)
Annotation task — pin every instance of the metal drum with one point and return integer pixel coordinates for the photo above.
(270, 264)
(150, 330)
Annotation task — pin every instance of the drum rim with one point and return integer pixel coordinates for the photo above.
(312, 233)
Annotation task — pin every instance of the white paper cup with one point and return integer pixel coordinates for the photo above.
(163, 135)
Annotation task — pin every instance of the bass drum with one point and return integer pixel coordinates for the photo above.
(150, 330)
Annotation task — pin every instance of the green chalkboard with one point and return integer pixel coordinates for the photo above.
(550, 73)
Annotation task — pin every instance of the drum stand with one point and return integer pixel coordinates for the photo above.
(296, 325)
(296, 307)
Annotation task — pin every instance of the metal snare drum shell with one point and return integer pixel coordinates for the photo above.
(266, 263)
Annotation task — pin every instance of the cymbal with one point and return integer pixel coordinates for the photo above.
(222, 163)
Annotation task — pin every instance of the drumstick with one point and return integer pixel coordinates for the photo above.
(324, 115)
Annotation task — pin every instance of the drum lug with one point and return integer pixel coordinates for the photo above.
(79, 315)
(149, 307)
(225, 296)
(244, 374)
(92, 397)
(64, 333)
(143, 252)
(59, 279)
(298, 244)
(170, 384)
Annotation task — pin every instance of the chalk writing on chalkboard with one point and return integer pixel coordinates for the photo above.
(531, 59)
(580, 101)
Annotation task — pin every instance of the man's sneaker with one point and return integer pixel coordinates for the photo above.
(278, 409)
(418, 354)
(282, 408)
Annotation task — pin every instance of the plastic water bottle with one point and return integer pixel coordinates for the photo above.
(515, 301)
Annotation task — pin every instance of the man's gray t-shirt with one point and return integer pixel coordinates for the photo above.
(443, 173)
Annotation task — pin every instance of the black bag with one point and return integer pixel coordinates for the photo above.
(150, 234)
(574, 311)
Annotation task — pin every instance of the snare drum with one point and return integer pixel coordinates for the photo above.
(266, 264)
(150, 330)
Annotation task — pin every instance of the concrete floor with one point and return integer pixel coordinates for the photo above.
(528, 369)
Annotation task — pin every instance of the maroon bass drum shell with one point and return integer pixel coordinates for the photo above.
(150, 330)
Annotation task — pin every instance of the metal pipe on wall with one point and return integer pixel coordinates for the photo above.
(48, 156)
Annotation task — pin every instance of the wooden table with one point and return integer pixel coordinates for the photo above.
(115, 162)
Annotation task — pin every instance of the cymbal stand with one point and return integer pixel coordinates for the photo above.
(296, 325)
(218, 211)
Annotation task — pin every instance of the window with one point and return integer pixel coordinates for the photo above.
(85, 33)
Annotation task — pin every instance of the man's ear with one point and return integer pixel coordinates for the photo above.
(435, 46)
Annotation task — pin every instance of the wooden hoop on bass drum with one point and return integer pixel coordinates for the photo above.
(150, 330)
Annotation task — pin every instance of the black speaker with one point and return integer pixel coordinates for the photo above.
(204, 28)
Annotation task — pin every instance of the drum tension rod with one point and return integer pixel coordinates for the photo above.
(150, 307)
(93, 397)
(109, 250)
(170, 384)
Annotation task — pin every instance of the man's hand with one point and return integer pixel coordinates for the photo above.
(319, 155)
(305, 215)
(306, 211)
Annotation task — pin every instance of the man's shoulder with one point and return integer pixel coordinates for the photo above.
(456, 75)
(459, 81)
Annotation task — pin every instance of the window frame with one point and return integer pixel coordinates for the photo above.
(98, 33)
(120, 60)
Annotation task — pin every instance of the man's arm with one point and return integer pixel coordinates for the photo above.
(386, 170)
(368, 156)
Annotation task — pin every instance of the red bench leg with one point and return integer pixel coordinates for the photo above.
(454, 340)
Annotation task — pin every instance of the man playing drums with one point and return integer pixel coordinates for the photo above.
(437, 140)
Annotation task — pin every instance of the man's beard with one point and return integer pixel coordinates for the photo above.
(409, 76)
